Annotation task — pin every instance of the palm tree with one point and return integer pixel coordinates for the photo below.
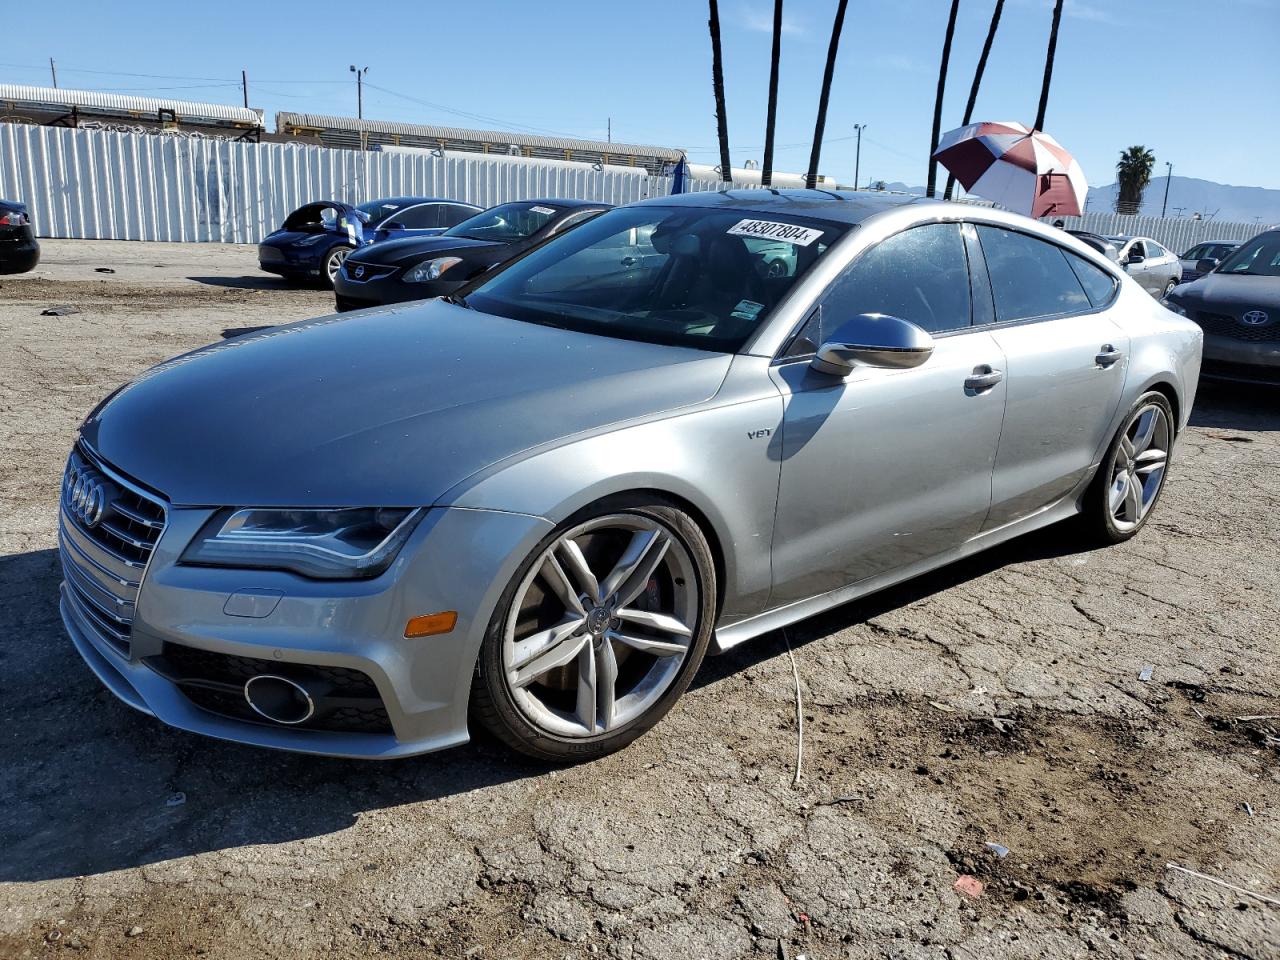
(766, 171)
(931, 188)
(1133, 173)
(977, 82)
(717, 87)
(1048, 64)
(811, 177)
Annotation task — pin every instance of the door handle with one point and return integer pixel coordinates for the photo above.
(982, 379)
(629, 261)
(1108, 356)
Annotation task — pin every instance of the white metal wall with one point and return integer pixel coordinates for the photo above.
(108, 185)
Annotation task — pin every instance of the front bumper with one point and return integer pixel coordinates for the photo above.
(352, 294)
(289, 261)
(456, 560)
(1228, 359)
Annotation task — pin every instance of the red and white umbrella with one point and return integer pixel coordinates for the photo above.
(1019, 168)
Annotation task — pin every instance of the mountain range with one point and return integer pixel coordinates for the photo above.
(1187, 196)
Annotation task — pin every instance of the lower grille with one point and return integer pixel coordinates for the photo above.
(364, 272)
(1223, 325)
(107, 530)
(270, 255)
(346, 700)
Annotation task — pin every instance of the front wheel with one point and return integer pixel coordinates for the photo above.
(333, 261)
(1131, 477)
(599, 633)
(1168, 289)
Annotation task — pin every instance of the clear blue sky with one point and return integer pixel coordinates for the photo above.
(1197, 82)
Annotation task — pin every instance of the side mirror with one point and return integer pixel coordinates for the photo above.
(1134, 258)
(1207, 265)
(874, 340)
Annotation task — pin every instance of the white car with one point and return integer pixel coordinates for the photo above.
(1156, 269)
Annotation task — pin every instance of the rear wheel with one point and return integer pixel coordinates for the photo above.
(1131, 477)
(1168, 288)
(599, 633)
(332, 264)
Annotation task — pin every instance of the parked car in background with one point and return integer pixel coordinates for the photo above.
(1238, 306)
(314, 240)
(1100, 243)
(537, 504)
(417, 268)
(1156, 269)
(1214, 250)
(19, 251)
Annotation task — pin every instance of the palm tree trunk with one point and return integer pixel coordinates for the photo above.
(811, 177)
(1048, 65)
(977, 82)
(931, 187)
(717, 86)
(766, 172)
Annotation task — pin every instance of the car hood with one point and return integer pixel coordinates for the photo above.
(405, 251)
(391, 407)
(1227, 293)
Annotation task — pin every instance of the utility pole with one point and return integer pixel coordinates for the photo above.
(610, 135)
(53, 69)
(1168, 176)
(244, 85)
(359, 72)
(857, 156)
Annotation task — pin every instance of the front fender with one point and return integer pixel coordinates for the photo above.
(721, 458)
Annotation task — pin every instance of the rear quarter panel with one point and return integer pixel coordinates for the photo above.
(1165, 348)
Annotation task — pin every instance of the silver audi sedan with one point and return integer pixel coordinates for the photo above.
(536, 506)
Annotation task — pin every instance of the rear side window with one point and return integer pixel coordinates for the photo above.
(1154, 250)
(921, 275)
(1098, 284)
(1029, 277)
(452, 214)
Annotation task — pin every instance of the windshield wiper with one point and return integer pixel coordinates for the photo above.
(457, 301)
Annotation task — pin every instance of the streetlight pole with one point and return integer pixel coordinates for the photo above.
(1168, 176)
(359, 72)
(857, 156)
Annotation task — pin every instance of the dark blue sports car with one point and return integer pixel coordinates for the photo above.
(314, 240)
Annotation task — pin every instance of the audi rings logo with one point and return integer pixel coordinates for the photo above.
(1255, 318)
(86, 496)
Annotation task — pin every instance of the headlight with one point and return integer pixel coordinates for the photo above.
(311, 241)
(429, 270)
(1179, 309)
(329, 544)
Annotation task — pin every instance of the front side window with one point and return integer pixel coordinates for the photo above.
(421, 217)
(1196, 252)
(1030, 278)
(920, 275)
(505, 223)
(1260, 257)
(675, 275)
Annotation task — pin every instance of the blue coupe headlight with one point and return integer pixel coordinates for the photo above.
(328, 544)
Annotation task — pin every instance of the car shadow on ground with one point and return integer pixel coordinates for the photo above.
(248, 282)
(1243, 406)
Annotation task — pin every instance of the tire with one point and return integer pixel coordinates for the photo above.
(648, 635)
(1168, 289)
(332, 262)
(1115, 513)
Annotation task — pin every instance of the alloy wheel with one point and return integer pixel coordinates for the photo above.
(335, 261)
(600, 626)
(1137, 472)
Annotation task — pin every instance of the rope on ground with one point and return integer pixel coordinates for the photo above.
(795, 672)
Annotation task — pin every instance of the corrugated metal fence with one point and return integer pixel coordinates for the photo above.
(108, 185)
(1177, 233)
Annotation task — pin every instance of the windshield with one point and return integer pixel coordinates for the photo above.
(379, 210)
(505, 223)
(1260, 257)
(697, 278)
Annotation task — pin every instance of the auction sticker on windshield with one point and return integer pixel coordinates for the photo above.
(771, 230)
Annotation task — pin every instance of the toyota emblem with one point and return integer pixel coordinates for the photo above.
(1255, 318)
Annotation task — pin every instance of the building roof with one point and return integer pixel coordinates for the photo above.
(116, 104)
(285, 121)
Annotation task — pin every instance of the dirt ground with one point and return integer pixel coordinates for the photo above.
(998, 701)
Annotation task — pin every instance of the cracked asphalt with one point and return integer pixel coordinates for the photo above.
(997, 701)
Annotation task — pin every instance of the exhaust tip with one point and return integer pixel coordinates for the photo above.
(279, 699)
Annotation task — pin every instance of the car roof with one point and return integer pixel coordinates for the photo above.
(841, 206)
(567, 204)
(406, 201)
(12, 204)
